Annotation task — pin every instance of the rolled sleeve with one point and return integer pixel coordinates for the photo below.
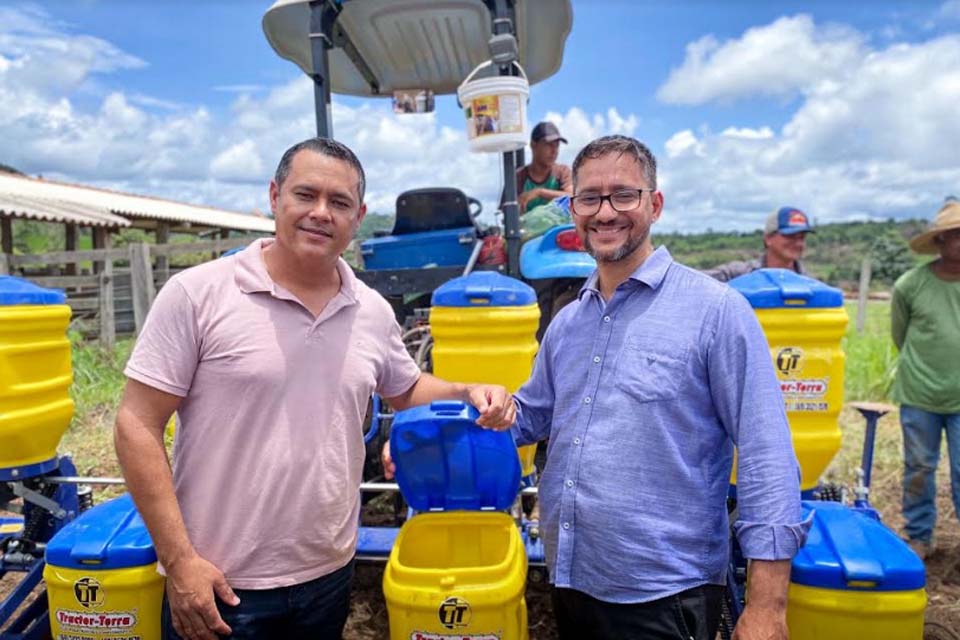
(759, 541)
(750, 405)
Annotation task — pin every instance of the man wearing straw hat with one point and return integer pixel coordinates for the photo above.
(925, 322)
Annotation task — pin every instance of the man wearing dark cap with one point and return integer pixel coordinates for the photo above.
(543, 179)
(784, 239)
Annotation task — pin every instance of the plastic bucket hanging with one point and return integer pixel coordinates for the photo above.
(496, 110)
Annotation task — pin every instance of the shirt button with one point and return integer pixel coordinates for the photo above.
(596, 359)
(606, 318)
(569, 483)
(566, 525)
(576, 441)
(586, 400)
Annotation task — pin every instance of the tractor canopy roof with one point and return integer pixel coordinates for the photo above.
(379, 46)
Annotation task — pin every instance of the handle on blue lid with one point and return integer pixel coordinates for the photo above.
(794, 293)
(94, 548)
(447, 407)
(478, 292)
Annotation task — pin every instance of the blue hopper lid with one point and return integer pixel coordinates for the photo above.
(17, 291)
(446, 462)
(850, 550)
(112, 535)
(486, 289)
(783, 288)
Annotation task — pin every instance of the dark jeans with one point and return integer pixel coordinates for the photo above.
(315, 610)
(922, 434)
(690, 615)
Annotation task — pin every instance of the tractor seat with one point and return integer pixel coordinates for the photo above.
(433, 209)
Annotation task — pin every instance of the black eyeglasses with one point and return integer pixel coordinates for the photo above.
(622, 200)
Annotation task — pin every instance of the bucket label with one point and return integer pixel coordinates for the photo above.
(421, 635)
(805, 394)
(454, 613)
(102, 621)
(89, 593)
(73, 636)
(789, 360)
(495, 114)
(806, 406)
(803, 388)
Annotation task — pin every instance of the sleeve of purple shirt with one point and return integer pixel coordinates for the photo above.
(748, 401)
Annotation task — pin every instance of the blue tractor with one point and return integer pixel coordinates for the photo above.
(413, 50)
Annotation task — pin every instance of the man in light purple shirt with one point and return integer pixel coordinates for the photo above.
(644, 385)
(269, 358)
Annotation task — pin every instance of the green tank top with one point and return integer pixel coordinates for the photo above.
(529, 185)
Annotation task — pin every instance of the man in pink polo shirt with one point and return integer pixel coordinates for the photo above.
(269, 358)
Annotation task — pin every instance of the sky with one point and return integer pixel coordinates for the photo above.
(847, 110)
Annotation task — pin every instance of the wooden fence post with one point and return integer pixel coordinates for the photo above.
(6, 234)
(108, 327)
(141, 280)
(863, 294)
(163, 262)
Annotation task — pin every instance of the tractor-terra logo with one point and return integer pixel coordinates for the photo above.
(90, 595)
(454, 613)
(790, 360)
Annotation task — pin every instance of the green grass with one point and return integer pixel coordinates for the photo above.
(99, 381)
(97, 374)
(871, 356)
(97, 386)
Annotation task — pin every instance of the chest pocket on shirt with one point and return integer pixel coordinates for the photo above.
(649, 371)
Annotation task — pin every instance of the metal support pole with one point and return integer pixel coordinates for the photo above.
(872, 412)
(503, 22)
(366, 487)
(511, 214)
(319, 44)
(869, 437)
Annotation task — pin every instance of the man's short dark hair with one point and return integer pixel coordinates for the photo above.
(620, 145)
(325, 147)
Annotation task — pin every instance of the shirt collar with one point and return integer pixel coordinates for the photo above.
(251, 273)
(651, 272)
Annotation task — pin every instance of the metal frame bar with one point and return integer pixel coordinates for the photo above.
(367, 487)
(320, 42)
(503, 21)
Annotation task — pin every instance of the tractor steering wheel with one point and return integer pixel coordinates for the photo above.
(471, 202)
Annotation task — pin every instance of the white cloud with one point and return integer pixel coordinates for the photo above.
(683, 142)
(873, 138)
(747, 133)
(901, 103)
(42, 59)
(240, 162)
(950, 10)
(579, 128)
(783, 58)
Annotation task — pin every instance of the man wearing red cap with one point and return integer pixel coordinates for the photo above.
(784, 240)
(543, 179)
